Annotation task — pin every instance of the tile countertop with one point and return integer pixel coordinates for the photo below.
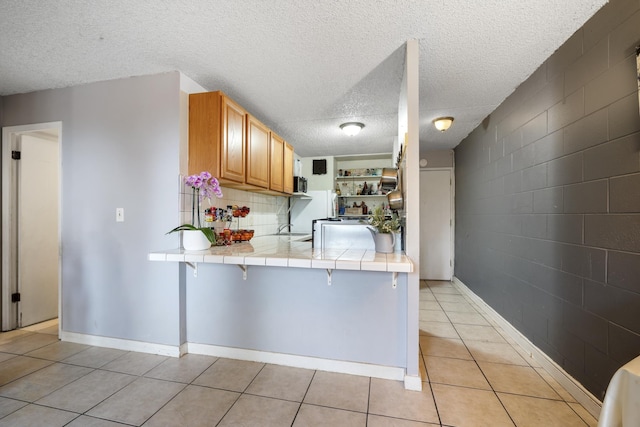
(283, 251)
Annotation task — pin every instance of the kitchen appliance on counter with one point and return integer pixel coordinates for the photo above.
(299, 184)
(314, 205)
(341, 233)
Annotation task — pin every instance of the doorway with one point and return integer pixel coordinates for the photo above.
(436, 224)
(31, 171)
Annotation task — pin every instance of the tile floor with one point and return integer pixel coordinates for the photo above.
(474, 376)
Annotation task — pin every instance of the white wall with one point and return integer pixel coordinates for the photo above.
(120, 148)
(409, 122)
(359, 318)
(319, 182)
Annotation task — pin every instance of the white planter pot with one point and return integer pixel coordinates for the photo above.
(194, 240)
(384, 241)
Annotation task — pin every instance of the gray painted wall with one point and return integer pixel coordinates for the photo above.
(120, 148)
(360, 317)
(548, 202)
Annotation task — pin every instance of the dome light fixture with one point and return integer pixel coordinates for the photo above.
(351, 128)
(443, 123)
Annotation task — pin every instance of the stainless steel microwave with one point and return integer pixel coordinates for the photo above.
(299, 184)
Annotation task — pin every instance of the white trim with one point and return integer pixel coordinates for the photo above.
(8, 321)
(121, 344)
(413, 383)
(306, 362)
(184, 349)
(575, 389)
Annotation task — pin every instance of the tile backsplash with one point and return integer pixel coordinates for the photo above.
(267, 212)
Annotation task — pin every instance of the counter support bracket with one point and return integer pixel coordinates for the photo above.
(329, 273)
(244, 269)
(193, 265)
(394, 280)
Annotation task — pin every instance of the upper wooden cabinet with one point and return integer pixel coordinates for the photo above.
(258, 153)
(217, 137)
(288, 169)
(236, 148)
(277, 161)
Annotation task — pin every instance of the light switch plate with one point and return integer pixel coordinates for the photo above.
(119, 214)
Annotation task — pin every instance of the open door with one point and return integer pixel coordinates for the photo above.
(31, 242)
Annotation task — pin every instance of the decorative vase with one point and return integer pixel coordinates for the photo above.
(384, 241)
(397, 246)
(195, 240)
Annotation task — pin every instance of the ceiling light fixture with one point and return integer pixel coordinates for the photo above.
(351, 128)
(443, 123)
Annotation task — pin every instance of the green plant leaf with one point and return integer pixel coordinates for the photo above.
(182, 227)
(208, 233)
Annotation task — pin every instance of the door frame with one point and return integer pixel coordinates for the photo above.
(452, 208)
(9, 256)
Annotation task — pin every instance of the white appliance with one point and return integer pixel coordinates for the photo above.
(315, 205)
(342, 234)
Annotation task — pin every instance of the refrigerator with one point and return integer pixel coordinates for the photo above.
(314, 205)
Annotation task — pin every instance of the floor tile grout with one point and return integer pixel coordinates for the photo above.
(428, 383)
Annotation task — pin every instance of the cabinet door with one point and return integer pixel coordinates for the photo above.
(288, 169)
(205, 132)
(277, 157)
(258, 147)
(233, 141)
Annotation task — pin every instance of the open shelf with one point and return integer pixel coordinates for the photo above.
(365, 196)
(361, 177)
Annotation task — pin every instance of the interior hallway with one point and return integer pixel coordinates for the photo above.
(474, 376)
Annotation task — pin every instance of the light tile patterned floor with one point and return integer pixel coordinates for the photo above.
(474, 375)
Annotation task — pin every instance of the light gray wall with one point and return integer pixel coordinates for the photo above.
(548, 206)
(438, 158)
(360, 317)
(120, 148)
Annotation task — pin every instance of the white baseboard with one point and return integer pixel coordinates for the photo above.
(120, 344)
(413, 383)
(184, 349)
(306, 362)
(575, 389)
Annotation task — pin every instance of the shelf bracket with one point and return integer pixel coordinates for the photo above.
(244, 269)
(329, 273)
(394, 280)
(194, 266)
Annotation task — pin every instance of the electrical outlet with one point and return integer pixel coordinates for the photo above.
(119, 214)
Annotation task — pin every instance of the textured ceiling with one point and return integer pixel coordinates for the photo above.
(302, 67)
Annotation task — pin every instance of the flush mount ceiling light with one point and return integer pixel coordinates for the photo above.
(351, 128)
(443, 123)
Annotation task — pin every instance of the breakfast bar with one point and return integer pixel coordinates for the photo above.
(279, 251)
(342, 310)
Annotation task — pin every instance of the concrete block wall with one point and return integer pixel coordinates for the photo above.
(548, 202)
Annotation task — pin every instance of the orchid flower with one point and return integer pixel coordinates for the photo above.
(205, 186)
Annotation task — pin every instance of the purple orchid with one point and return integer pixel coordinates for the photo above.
(205, 186)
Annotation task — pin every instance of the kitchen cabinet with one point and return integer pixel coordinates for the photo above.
(237, 148)
(217, 137)
(276, 180)
(258, 153)
(287, 168)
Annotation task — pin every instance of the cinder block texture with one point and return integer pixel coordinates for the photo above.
(548, 202)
